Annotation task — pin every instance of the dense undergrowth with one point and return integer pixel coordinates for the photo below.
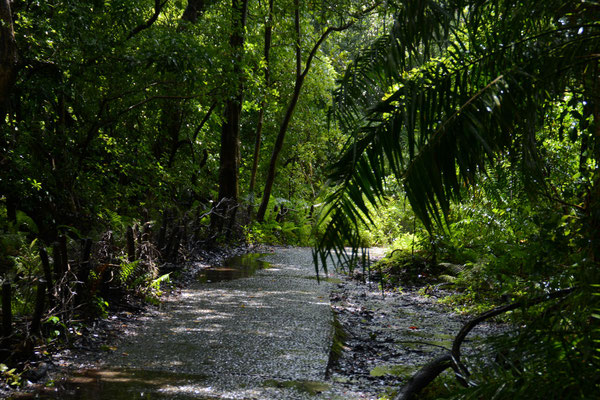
(489, 255)
(50, 292)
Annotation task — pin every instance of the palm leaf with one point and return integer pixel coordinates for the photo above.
(466, 85)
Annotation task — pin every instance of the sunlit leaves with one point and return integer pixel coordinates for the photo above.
(453, 85)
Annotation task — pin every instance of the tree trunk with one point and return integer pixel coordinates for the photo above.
(47, 273)
(230, 151)
(263, 104)
(260, 216)
(594, 196)
(38, 312)
(57, 262)
(230, 132)
(83, 272)
(6, 309)
(64, 256)
(300, 77)
(130, 244)
(8, 56)
(194, 10)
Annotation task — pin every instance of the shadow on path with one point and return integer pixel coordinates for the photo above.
(266, 336)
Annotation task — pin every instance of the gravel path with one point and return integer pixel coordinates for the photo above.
(267, 336)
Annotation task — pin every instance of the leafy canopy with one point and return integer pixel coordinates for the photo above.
(453, 85)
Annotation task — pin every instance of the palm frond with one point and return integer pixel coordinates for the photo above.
(460, 92)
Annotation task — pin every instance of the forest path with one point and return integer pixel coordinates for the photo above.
(267, 336)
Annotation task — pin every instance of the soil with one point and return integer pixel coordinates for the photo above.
(83, 347)
(391, 334)
(385, 336)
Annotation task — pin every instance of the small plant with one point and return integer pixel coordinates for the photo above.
(10, 376)
(99, 306)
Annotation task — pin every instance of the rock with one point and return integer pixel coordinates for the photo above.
(37, 373)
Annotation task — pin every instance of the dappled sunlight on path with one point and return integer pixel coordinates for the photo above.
(266, 336)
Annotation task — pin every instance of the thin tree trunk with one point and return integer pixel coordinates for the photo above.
(47, 273)
(260, 216)
(300, 78)
(57, 262)
(83, 271)
(64, 256)
(263, 104)
(130, 244)
(594, 196)
(39, 307)
(8, 56)
(6, 309)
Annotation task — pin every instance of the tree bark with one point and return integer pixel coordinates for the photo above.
(8, 56)
(47, 273)
(36, 320)
(424, 377)
(229, 155)
(263, 104)
(130, 244)
(6, 308)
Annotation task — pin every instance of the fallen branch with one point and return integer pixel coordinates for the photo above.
(432, 370)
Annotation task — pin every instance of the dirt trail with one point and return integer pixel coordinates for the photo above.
(268, 336)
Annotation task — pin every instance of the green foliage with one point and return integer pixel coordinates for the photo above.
(24, 270)
(99, 307)
(435, 105)
(55, 327)
(490, 103)
(272, 232)
(551, 357)
(10, 376)
(290, 222)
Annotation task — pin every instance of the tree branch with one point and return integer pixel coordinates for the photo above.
(158, 6)
(331, 29)
(204, 120)
(432, 370)
(298, 48)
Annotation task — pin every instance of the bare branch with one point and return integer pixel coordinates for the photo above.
(331, 29)
(433, 369)
(158, 6)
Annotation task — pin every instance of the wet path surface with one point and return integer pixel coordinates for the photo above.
(254, 333)
(266, 336)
